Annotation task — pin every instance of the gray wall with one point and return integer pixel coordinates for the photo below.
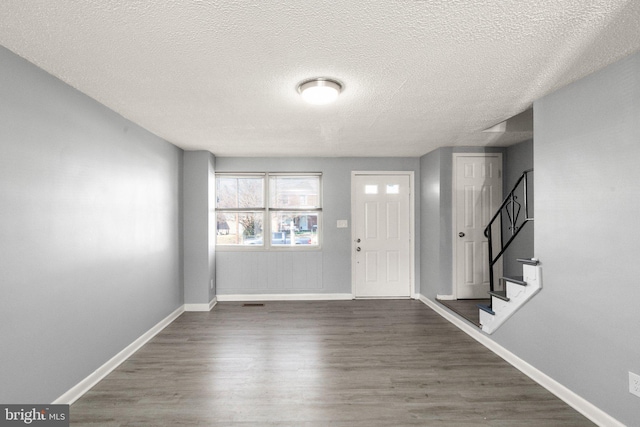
(199, 227)
(90, 230)
(327, 270)
(436, 180)
(518, 158)
(433, 259)
(583, 329)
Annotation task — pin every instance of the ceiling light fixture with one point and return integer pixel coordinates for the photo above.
(319, 91)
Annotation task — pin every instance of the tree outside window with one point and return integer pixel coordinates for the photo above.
(240, 206)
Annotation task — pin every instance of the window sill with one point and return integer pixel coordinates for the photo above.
(250, 248)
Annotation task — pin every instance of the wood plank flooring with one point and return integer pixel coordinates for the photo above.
(317, 363)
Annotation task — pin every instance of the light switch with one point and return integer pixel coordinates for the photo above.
(343, 223)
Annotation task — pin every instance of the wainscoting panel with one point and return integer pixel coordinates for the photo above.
(268, 272)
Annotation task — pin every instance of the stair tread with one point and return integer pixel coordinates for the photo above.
(499, 294)
(530, 261)
(515, 279)
(486, 308)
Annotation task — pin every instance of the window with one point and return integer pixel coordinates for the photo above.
(370, 189)
(393, 189)
(240, 209)
(288, 209)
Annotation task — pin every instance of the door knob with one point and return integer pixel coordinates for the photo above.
(358, 249)
(461, 234)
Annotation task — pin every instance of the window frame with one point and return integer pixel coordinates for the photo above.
(267, 210)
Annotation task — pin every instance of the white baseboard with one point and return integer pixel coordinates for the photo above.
(201, 307)
(284, 297)
(444, 297)
(86, 384)
(572, 399)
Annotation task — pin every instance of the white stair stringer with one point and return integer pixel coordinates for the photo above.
(518, 296)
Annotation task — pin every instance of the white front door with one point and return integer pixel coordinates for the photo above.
(477, 186)
(382, 235)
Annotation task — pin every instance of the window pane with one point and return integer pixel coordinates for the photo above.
(371, 189)
(294, 228)
(300, 192)
(393, 189)
(239, 192)
(239, 228)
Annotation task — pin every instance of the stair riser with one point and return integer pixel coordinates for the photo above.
(518, 295)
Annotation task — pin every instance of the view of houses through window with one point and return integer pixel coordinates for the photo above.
(286, 207)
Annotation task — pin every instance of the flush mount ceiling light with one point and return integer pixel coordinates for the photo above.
(319, 91)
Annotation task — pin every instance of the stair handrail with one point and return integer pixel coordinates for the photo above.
(513, 217)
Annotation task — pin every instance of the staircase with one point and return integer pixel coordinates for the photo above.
(517, 291)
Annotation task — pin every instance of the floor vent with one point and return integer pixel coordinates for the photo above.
(253, 305)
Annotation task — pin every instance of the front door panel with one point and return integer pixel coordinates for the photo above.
(382, 224)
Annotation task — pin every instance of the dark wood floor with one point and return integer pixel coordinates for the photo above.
(339, 363)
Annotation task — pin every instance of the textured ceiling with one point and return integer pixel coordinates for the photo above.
(222, 75)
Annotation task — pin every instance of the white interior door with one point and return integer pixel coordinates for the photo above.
(477, 183)
(382, 235)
